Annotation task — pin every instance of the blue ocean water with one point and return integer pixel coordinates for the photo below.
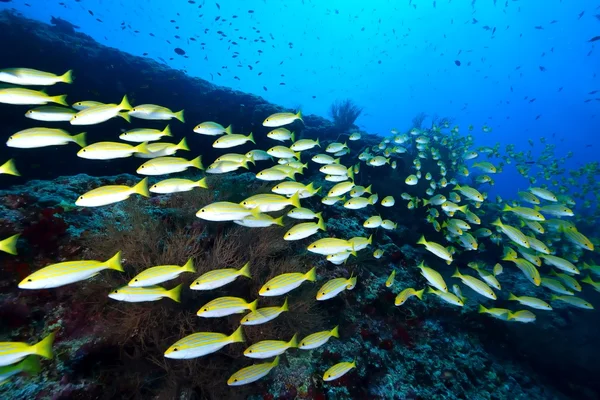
(525, 69)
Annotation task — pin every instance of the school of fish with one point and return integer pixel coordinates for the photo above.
(535, 230)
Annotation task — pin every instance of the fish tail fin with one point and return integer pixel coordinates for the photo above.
(10, 168)
(419, 294)
(351, 173)
(244, 163)
(318, 215)
(352, 283)
(317, 142)
(245, 270)
(297, 154)
(554, 297)
(197, 162)
(44, 347)
(456, 274)
(279, 221)
(252, 306)
(285, 306)
(229, 130)
(482, 309)
(586, 266)
(429, 289)
(317, 190)
(310, 188)
(368, 189)
(124, 104)
(251, 138)
(167, 131)
(311, 275)
(179, 116)
(202, 183)
(425, 202)
(497, 222)
(463, 209)
(142, 148)
(293, 137)
(336, 161)
(335, 332)
(80, 139)
(60, 99)
(237, 336)
(512, 297)
(321, 225)
(457, 187)
(507, 208)
(182, 145)
(9, 245)
(275, 362)
(67, 77)
(422, 240)
(115, 262)
(295, 200)
(588, 279)
(189, 266)
(299, 115)
(141, 188)
(293, 341)
(175, 293)
(125, 115)
(370, 240)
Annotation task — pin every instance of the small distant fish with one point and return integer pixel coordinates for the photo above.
(338, 370)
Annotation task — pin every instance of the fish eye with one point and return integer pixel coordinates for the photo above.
(235, 380)
(133, 109)
(206, 309)
(135, 280)
(268, 289)
(83, 150)
(116, 291)
(28, 280)
(175, 349)
(323, 294)
(74, 116)
(249, 351)
(202, 210)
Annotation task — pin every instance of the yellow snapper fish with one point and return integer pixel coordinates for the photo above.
(159, 274)
(63, 273)
(258, 155)
(305, 144)
(9, 245)
(555, 286)
(338, 370)
(358, 243)
(543, 194)
(390, 280)
(147, 293)
(318, 339)
(354, 136)
(224, 306)
(436, 249)
(334, 287)
(270, 202)
(331, 200)
(336, 147)
(177, 185)
(140, 135)
(569, 281)
(524, 316)
(341, 189)
(259, 221)
(232, 140)
(111, 150)
(112, 194)
(252, 373)
(51, 114)
(98, 114)
(263, 315)
(406, 294)
(42, 137)
(532, 302)
(327, 246)
(448, 297)
(275, 174)
(577, 238)
(470, 193)
(29, 365)
(559, 263)
(153, 112)
(411, 180)
(13, 352)
(168, 165)
(512, 233)
(498, 313)
(357, 203)
(19, 96)
(304, 230)
(280, 119)
(373, 222)
(225, 211)
(9, 168)
(210, 128)
(388, 201)
(33, 77)
(478, 286)
(270, 348)
(281, 135)
(223, 167)
(358, 191)
(528, 269)
(486, 167)
(378, 253)
(219, 277)
(433, 277)
(283, 152)
(202, 343)
(289, 188)
(573, 301)
(524, 212)
(285, 283)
